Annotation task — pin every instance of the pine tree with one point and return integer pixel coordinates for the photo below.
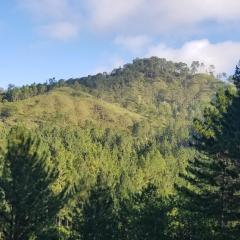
(96, 218)
(146, 215)
(28, 203)
(212, 189)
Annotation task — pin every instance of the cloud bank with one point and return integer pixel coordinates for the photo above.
(223, 55)
(133, 24)
(135, 16)
(160, 15)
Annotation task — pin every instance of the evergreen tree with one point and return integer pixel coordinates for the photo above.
(146, 216)
(96, 219)
(212, 192)
(28, 204)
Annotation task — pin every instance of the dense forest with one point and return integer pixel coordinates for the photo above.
(149, 151)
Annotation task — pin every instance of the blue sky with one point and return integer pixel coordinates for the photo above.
(41, 39)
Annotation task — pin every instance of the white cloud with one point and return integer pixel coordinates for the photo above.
(58, 19)
(194, 11)
(223, 55)
(134, 44)
(60, 30)
(159, 16)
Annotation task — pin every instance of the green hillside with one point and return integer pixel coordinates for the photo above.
(113, 146)
(66, 106)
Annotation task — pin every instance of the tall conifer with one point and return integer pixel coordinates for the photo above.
(212, 179)
(28, 203)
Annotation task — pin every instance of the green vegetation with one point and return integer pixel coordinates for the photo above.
(28, 204)
(148, 151)
(66, 106)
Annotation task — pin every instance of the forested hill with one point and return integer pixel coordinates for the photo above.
(153, 90)
(147, 83)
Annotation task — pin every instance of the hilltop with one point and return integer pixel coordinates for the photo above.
(150, 90)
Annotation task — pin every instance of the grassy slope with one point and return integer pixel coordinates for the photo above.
(67, 106)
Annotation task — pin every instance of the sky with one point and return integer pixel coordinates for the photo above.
(41, 39)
